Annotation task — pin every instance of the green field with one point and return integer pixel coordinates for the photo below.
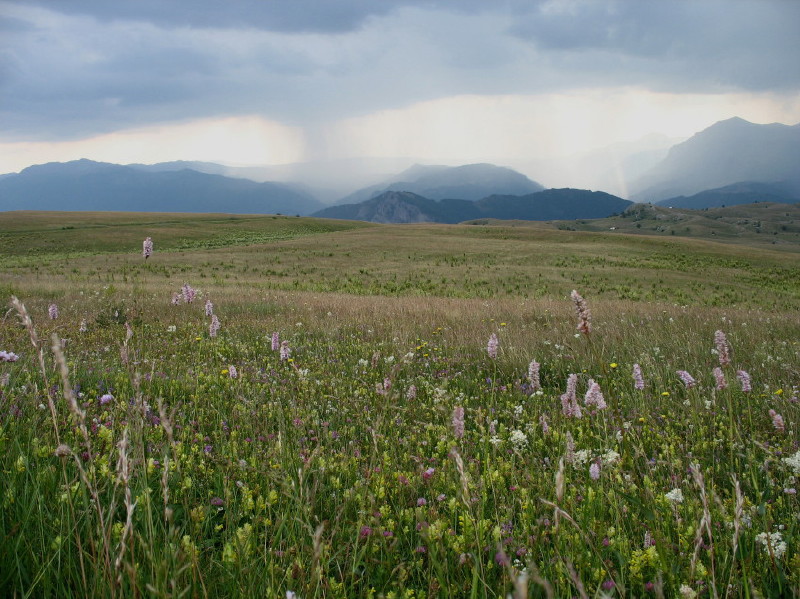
(162, 458)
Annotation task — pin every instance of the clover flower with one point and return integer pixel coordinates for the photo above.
(584, 315)
(147, 248)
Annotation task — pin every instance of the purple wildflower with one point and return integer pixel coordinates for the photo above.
(8, 356)
(421, 502)
(428, 474)
(213, 328)
(412, 392)
(723, 349)
(492, 346)
(584, 315)
(232, 372)
(52, 311)
(147, 248)
(594, 471)
(285, 351)
(276, 343)
(687, 378)
(744, 379)
(458, 422)
(365, 532)
(217, 501)
(638, 380)
(106, 398)
(176, 299)
(720, 378)
(209, 308)
(533, 375)
(543, 423)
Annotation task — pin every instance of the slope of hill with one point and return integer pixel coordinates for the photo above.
(732, 195)
(467, 182)
(728, 152)
(407, 207)
(88, 185)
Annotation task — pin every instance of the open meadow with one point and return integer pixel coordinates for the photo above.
(274, 406)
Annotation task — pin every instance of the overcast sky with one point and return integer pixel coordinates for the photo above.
(281, 81)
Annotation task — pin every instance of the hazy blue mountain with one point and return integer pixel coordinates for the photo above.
(435, 182)
(89, 185)
(726, 153)
(550, 204)
(736, 194)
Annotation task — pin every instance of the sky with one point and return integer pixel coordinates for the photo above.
(254, 82)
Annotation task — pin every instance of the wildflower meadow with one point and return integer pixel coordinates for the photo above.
(294, 408)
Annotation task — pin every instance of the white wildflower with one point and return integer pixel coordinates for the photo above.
(518, 439)
(610, 457)
(686, 591)
(581, 457)
(675, 496)
(793, 461)
(772, 541)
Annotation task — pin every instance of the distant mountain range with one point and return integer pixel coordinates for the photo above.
(736, 194)
(729, 152)
(467, 182)
(732, 162)
(550, 204)
(100, 186)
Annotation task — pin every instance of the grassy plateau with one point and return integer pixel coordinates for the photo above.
(273, 406)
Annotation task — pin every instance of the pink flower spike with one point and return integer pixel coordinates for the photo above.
(492, 346)
(147, 248)
(638, 380)
(744, 379)
(584, 315)
(723, 349)
(687, 378)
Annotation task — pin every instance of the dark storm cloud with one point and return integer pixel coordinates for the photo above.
(72, 68)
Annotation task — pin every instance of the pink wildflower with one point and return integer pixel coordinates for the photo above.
(543, 423)
(777, 421)
(569, 452)
(147, 248)
(638, 380)
(584, 316)
(533, 375)
(744, 379)
(412, 392)
(594, 471)
(276, 342)
(492, 346)
(176, 299)
(594, 396)
(286, 352)
(569, 401)
(720, 378)
(214, 326)
(723, 349)
(687, 378)
(209, 308)
(52, 311)
(428, 474)
(422, 501)
(232, 372)
(458, 422)
(188, 293)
